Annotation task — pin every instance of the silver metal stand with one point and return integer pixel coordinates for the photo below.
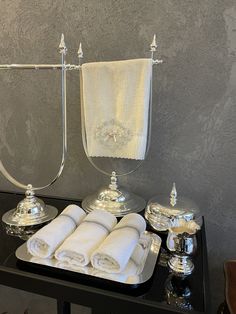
(114, 198)
(31, 213)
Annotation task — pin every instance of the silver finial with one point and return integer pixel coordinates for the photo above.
(173, 196)
(153, 45)
(29, 192)
(113, 185)
(62, 46)
(80, 51)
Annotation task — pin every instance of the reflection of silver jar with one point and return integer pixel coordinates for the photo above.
(182, 242)
(178, 292)
(162, 210)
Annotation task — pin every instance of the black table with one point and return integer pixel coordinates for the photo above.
(148, 299)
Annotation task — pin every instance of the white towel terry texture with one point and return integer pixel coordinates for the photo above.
(45, 241)
(78, 248)
(133, 268)
(115, 251)
(115, 106)
(110, 247)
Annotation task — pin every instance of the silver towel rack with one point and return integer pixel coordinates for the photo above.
(31, 211)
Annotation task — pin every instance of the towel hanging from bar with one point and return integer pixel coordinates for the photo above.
(115, 107)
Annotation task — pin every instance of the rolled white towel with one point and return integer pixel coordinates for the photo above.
(78, 248)
(68, 266)
(45, 241)
(115, 251)
(133, 268)
(43, 261)
(128, 272)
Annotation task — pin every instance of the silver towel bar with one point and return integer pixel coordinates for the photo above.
(153, 48)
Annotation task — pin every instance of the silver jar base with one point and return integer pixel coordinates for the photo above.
(181, 265)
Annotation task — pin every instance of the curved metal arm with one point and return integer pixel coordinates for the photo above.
(3, 170)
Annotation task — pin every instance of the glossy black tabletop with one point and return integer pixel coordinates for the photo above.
(164, 293)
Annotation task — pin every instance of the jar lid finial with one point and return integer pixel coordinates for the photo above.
(173, 195)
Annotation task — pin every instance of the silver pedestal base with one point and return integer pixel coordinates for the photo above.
(30, 215)
(24, 231)
(181, 265)
(114, 199)
(118, 202)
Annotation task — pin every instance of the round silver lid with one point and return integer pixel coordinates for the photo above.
(162, 209)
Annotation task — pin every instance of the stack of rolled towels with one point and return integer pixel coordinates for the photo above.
(77, 240)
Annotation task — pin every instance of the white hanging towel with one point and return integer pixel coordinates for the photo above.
(113, 254)
(78, 248)
(115, 105)
(45, 241)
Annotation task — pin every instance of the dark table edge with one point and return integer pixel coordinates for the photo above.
(206, 282)
(77, 293)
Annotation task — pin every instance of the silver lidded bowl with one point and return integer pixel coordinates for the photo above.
(162, 210)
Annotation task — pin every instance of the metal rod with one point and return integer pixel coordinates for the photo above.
(49, 66)
(39, 67)
(153, 48)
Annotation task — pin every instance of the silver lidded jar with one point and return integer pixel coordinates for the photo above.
(182, 243)
(162, 210)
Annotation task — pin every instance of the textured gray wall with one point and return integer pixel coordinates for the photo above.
(194, 97)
